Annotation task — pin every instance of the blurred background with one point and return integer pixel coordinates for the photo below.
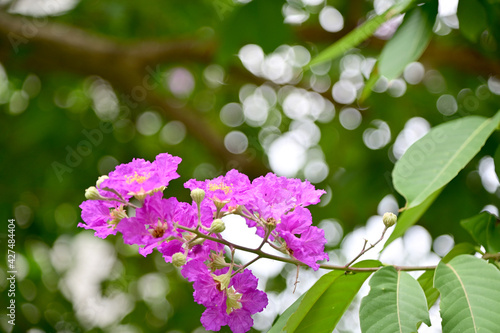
(86, 85)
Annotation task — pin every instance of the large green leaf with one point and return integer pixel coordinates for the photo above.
(434, 160)
(326, 301)
(426, 280)
(283, 318)
(472, 18)
(409, 41)
(360, 34)
(470, 295)
(410, 216)
(395, 303)
(485, 231)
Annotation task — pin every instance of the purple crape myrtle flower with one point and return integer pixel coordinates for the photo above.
(207, 290)
(228, 189)
(141, 177)
(271, 197)
(303, 241)
(154, 222)
(180, 244)
(231, 305)
(101, 216)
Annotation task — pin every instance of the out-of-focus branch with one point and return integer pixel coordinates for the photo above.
(39, 45)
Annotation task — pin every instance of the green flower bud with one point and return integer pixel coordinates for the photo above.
(93, 194)
(217, 226)
(389, 219)
(178, 259)
(100, 180)
(198, 195)
(271, 223)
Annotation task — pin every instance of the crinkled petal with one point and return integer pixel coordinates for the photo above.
(295, 222)
(214, 318)
(254, 301)
(168, 249)
(240, 321)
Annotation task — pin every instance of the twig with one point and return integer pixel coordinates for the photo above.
(263, 254)
(364, 250)
(296, 280)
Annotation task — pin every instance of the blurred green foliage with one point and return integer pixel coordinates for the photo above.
(48, 99)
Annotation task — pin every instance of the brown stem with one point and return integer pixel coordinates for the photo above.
(364, 250)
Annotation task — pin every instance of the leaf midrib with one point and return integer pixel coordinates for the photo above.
(397, 301)
(466, 296)
(453, 158)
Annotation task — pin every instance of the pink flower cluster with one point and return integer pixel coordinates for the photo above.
(188, 234)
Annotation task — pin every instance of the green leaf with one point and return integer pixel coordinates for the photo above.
(434, 160)
(472, 19)
(283, 318)
(484, 230)
(409, 41)
(426, 280)
(395, 303)
(327, 300)
(360, 34)
(410, 216)
(470, 295)
(461, 248)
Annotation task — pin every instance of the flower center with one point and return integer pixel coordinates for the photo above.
(159, 230)
(137, 178)
(221, 186)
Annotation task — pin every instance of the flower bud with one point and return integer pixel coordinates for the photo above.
(389, 219)
(271, 223)
(198, 195)
(217, 226)
(100, 180)
(93, 194)
(178, 259)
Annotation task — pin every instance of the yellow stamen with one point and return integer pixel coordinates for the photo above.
(221, 186)
(137, 178)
